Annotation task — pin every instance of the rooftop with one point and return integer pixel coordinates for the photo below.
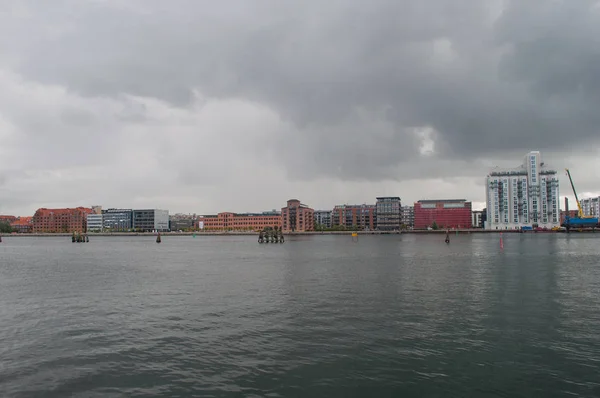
(442, 201)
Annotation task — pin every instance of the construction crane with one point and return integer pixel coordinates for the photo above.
(581, 220)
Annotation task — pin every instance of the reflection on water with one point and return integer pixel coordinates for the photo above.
(395, 315)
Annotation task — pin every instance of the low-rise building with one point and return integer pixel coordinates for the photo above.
(22, 225)
(297, 217)
(150, 220)
(94, 222)
(323, 218)
(389, 213)
(182, 222)
(60, 220)
(443, 213)
(117, 220)
(362, 217)
(227, 221)
(408, 216)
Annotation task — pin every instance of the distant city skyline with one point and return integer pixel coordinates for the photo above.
(207, 107)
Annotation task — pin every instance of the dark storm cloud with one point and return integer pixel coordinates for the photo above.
(352, 78)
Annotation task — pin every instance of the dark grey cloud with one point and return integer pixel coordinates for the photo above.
(349, 84)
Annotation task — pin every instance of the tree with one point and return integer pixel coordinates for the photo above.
(5, 227)
(434, 226)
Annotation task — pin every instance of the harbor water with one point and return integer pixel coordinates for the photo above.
(317, 316)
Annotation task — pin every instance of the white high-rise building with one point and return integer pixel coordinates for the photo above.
(526, 196)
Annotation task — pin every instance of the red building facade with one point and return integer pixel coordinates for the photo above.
(447, 213)
(297, 217)
(239, 222)
(60, 220)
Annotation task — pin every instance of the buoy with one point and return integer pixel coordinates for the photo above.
(158, 238)
(0, 239)
(447, 240)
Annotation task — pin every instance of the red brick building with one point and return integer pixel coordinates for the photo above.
(297, 217)
(22, 225)
(7, 219)
(227, 221)
(60, 220)
(447, 213)
(354, 216)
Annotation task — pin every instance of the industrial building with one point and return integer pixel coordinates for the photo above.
(148, 220)
(443, 213)
(297, 217)
(525, 196)
(389, 213)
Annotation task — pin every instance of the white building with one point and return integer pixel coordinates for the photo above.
(590, 206)
(94, 222)
(526, 196)
(476, 218)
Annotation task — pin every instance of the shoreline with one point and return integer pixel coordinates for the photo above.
(251, 233)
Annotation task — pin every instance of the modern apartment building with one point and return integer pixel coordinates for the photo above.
(408, 216)
(94, 222)
(297, 217)
(182, 222)
(389, 213)
(354, 216)
(323, 218)
(445, 213)
(591, 206)
(525, 196)
(117, 219)
(60, 220)
(227, 221)
(148, 220)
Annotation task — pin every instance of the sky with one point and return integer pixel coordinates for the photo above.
(198, 106)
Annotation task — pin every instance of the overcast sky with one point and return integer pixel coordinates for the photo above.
(204, 106)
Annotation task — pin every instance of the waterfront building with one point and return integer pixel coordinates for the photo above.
(22, 225)
(408, 216)
(525, 196)
(388, 211)
(476, 218)
(182, 222)
(591, 206)
(297, 217)
(323, 218)
(7, 219)
(94, 222)
(227, 221)
(118, 220)
(60, 220)
(445, 213)
(150, 220)
(362, 217)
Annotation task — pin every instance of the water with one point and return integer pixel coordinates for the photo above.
(318, 316)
